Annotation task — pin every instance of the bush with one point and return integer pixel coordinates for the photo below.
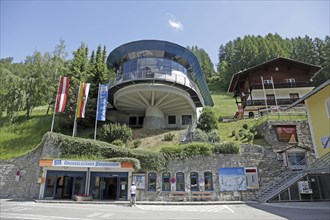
(137, 143)
(111, 132)
(168, 137)
(233, 133)
(207, 120)
(213, 136)
(245, 126)
(226, 148)
(200, 136)
(187, 150)
(118, 143)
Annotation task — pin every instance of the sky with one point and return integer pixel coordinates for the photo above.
(28, 26)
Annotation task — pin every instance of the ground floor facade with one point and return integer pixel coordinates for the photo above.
(63, 179)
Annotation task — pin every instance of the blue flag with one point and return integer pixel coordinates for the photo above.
(102, 102)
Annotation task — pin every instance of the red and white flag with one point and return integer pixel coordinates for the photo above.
(62, 94)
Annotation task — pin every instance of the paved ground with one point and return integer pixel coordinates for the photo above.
(99, 210)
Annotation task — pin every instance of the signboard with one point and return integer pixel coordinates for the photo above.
(303, 187)
(140, 181)
(232, 179)
(82, 163)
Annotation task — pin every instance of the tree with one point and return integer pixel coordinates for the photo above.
(207, 120)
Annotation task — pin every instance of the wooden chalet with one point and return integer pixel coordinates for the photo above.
(272, 85)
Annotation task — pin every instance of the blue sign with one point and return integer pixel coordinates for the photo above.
(102, 102)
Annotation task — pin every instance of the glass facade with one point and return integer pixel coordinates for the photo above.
(142, 59)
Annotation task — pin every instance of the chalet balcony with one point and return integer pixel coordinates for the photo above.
(270, 102)
(278, 85)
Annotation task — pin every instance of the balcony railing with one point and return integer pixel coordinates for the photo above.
(175, 77)
(282, 85)
(270, 102)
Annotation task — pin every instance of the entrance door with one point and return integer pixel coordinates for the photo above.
(109, 185)
(105, 188)
(63, 185)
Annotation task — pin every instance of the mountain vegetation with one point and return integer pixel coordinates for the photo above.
(28, 89)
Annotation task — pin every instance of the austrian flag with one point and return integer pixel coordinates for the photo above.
(82, 99)
(62, 94)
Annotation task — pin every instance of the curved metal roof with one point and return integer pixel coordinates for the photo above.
(162, 49)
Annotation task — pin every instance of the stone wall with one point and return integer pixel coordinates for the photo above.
(264, 158)
(303, 133)
(26, 187)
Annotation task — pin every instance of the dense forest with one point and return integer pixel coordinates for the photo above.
(33, 82)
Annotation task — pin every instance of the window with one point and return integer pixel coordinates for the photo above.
(296, 159)
(152, 182)
(291, 80)
(286, 133)
(166, 182)
(194, 182)
(294, 96)
(141, 118)
(171, 120)
(270, 97)
(132, 120)
(208, 181)
(267, 81)
(327, 106)
(186, 119)
(180, 182)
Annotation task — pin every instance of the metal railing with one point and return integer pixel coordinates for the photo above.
(290, 176)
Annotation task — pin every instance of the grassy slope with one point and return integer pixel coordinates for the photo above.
(26, 133)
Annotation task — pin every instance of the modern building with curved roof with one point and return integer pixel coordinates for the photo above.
(158, 84)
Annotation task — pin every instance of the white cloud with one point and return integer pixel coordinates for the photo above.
(175, 24)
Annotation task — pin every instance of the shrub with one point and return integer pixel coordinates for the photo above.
(213, 136)
(233, 133)
(200, 136)
(118, 143)
(207, 120)
(245, 126)
(187, 150)
(257, 135)
(226, 148)
(111, 132)
(168, 137)
(137, 143)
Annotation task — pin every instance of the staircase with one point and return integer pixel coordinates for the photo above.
(290, 176)
(188, 134)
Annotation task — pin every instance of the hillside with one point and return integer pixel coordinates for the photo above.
(24, 134)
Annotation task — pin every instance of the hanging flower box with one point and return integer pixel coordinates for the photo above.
(82, 197)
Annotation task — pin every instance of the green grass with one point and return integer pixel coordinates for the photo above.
(24, 134)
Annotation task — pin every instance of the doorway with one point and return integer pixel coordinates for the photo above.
(109, 186)
(63, 185)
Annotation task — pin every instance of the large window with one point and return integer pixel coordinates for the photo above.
(194, 181)
(166, 186)
(296, 159)
(152, 177)
(286, 133)
(180, 182)
(171, 120)
(208, 181)
(186, 119)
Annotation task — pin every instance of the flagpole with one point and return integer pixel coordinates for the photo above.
(97, 111)
(75, 115)
(58, 87)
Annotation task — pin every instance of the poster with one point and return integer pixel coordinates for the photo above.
(232, 179)
(140, 181)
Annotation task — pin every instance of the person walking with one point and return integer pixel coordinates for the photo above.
(133, 194)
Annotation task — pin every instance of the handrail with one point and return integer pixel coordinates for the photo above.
(289, 172)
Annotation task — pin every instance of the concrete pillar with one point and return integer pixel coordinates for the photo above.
(154, 118)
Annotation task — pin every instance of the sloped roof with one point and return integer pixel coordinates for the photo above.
(281, 60)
